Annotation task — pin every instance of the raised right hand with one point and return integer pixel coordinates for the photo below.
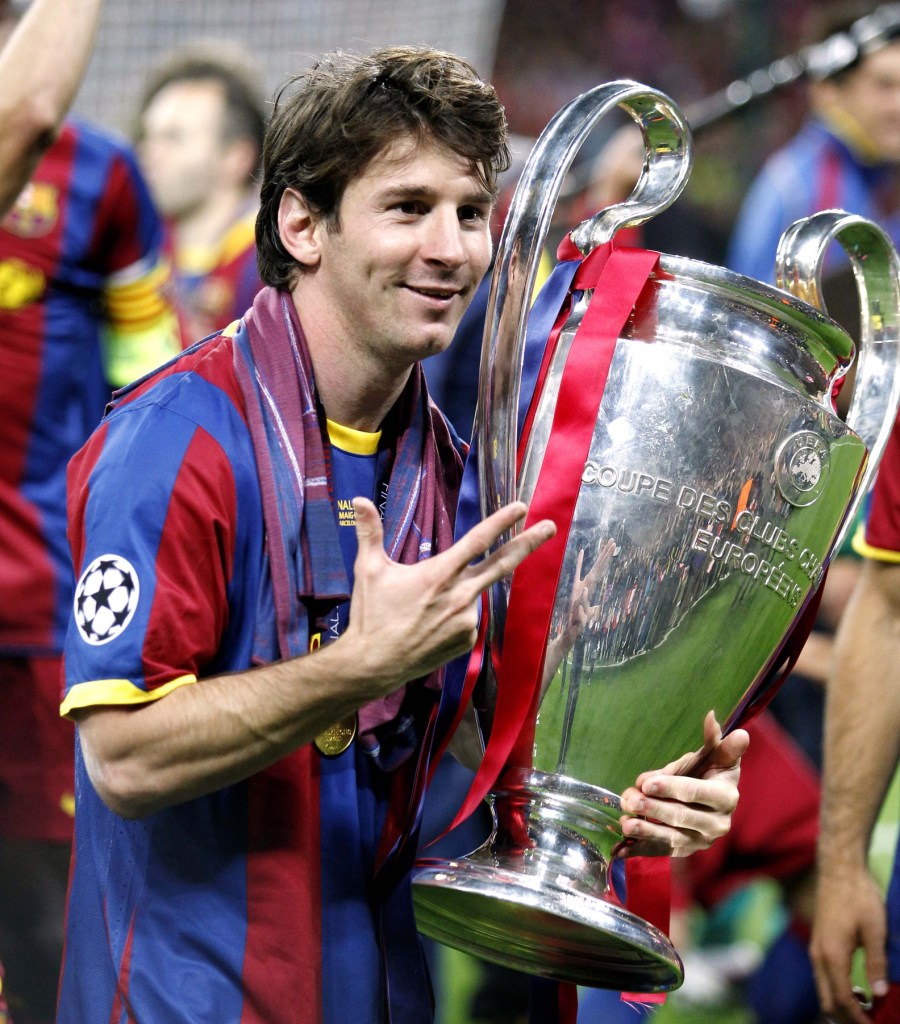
(407, 620)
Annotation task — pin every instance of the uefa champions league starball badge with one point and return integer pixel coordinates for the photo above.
(105, 599)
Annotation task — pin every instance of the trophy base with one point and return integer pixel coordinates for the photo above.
(497, 915)
(535, 896)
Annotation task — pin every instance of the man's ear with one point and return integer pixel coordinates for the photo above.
(300, 228)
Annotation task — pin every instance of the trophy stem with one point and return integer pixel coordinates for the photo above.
(536, 896)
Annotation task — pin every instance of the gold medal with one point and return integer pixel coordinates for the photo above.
(336, 738)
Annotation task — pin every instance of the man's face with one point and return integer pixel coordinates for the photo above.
(871, 96)
(181, 145)
(399, 269)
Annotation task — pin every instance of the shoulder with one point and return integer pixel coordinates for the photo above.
(187, 384)
(159, 416)
(96, 138)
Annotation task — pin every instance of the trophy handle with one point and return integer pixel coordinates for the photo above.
(876, 270)
(667, 163)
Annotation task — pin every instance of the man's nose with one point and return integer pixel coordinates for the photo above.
(444, 238)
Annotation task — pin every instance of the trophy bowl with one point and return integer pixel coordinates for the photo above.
(718, 482)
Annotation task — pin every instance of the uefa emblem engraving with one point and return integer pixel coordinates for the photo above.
(105, 599)
(802, 466)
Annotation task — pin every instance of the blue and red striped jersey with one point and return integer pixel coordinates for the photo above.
(83, 233)
(215, 285)
(816, 170)
(253, 904)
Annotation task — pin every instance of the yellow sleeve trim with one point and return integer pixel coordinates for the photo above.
(861, 547)
(240, 238)
(118, 692)
(878, 554)
(202, 259)
(356, 442)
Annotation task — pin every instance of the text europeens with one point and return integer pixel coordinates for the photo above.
(726, 534)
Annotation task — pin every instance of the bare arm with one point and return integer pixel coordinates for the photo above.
(405, 621)
(41, 67)
(862, 743)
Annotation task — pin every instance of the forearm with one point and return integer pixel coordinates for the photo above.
(41, 67)
(206, 735)
(862, 728)
(405, 622)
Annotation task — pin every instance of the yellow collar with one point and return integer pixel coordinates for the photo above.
(356, 442)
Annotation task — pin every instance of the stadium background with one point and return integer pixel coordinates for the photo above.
(539, 54)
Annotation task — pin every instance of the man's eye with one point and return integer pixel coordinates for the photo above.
(410, 208)
(471, 213)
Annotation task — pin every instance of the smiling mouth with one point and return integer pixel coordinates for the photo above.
(442, 294)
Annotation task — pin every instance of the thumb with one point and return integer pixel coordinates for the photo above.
(369, 532)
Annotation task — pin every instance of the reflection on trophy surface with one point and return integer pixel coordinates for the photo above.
(717, 483)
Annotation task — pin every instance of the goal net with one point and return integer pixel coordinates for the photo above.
(282, 35)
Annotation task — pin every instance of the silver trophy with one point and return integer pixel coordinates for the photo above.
(718, 484)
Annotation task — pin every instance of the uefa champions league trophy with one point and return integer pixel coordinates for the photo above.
(718, 481)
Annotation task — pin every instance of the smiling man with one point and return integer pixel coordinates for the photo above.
(269, 589)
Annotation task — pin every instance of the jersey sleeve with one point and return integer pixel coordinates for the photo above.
(880, 536)
(152, 530)
(141, 328)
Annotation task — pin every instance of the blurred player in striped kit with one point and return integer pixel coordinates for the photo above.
(83, 309)
(200, 133)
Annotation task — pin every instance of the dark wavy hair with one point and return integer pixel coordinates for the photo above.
(331, 121)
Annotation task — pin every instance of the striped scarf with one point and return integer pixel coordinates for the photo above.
(306, 571)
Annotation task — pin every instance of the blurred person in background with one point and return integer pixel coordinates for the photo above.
(845, 155)
(200, 132)
(82, 309)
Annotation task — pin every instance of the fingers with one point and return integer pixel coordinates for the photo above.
(849, 915)
(369, 531)
(682, 815)
(604, 556)
(478, 541)
(679, 814)
(505, 559)
(725, 755)
(719, 794)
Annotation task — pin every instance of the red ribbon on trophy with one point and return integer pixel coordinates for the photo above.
(617, 277)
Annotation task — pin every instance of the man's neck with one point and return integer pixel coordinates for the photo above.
(355, 391)
(353, 398)
(206, 227)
